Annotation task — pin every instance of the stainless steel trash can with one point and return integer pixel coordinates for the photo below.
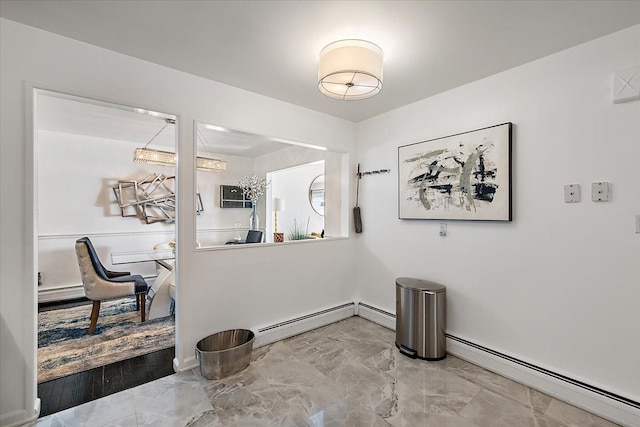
(421, 318)
(224, 353)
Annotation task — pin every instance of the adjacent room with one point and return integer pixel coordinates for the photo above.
(87, 177)
(309, 213)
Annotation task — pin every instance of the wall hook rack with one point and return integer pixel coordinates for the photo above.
(376, 172)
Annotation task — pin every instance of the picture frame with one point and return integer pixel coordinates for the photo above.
(466, 176)
(231, 196)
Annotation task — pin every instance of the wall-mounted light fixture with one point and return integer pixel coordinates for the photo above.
(350, 70)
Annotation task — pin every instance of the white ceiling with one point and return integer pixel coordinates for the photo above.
(78, 116)
(271, 47)
(83, 117)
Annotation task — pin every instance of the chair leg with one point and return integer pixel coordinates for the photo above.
(95, 311)
(137, 302)
(142, 305)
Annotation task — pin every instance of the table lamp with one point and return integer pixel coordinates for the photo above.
(278, 206)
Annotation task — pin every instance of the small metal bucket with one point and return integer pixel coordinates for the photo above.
(224, 353)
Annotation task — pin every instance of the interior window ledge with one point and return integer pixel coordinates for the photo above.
(269, 244)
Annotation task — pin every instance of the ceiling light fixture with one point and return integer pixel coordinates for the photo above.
(166, 158)
(208, 164)
(350, 70)
(155, 157)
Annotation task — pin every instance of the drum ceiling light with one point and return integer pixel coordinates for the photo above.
(350, 70)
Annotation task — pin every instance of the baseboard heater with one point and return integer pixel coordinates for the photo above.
(387, 319)
(544, 371)
(288, 328)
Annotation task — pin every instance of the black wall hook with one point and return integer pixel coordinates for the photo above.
(376, 172)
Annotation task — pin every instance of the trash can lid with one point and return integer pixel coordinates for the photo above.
(420, 285)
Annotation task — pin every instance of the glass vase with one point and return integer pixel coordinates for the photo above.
(254, 221)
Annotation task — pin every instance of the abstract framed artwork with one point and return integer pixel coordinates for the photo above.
(459, 177)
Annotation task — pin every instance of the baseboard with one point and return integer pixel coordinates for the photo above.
(189, 363)
(279, 331)
(596, 401)
(276, 332)
(13, 418)
(60, 294)
(376, 315)
(599, 402)
(19, 418)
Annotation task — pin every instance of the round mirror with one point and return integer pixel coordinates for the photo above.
(316, 194)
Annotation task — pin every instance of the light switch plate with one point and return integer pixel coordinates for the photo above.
(600, 191)
(572, 193)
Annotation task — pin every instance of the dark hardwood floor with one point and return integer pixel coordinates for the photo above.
(73, 390)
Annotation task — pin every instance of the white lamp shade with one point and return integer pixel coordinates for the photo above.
(278, 204)
(350, 70)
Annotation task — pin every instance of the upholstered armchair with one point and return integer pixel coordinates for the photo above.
(101, 284)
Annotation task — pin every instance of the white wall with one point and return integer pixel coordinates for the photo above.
(292, 186)
(217, 290)
(560, 285)
(76, 175)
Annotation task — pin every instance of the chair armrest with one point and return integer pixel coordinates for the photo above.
(112, 274)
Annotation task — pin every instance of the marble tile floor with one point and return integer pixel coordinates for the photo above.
(345, 374)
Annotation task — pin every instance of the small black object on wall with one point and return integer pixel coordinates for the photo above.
(357, 219)
(231, 196)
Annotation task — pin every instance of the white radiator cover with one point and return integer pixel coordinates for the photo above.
(279, 331)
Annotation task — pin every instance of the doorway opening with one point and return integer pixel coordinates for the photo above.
(87, 185)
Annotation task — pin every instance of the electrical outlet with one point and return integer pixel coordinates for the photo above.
(443, 230)
(600, 191)
(572, 193)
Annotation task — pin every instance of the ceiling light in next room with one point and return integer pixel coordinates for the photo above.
(350, 70)
(167, 158)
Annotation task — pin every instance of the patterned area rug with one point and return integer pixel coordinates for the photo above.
(65, 348)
